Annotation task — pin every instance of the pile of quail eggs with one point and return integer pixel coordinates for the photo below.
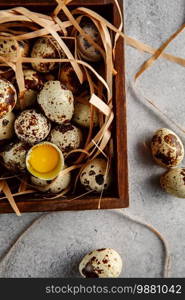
(168, 152)
(48, 112)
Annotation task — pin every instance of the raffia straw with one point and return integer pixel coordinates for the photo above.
(167, 260)
(6, 190)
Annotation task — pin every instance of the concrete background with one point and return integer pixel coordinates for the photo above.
(56, 244)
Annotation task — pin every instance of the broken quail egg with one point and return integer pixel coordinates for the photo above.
(67, 137)
(14, 156)
(8, 97)
(101, 263)
(167, 148)
(46, 47)
(56, 101)
(7, 126)
(32, 127)
(82, 115)
(96, 176)
(45, 161)
(59, 184)
(173, 182)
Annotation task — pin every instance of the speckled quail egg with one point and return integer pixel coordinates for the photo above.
(8, 97)
(173, 182)
(14, 156)
(32, 127)
(7, 126)
(94, 176)
(88, 51)
(68, 78)
(167, 148)
(56, 101)
(33, 84)
(82, 115)
(101, 263)
(46, 47)
(59, 184)
(8, 47)
(67, 137)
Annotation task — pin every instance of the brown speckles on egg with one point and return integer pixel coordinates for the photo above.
(56, 102)
(8, 97)
(82, 115)
(7, 126)
(68, 78)
(32, 127)
(173, 182)
(167, 148)
(8, 47)
(67, 137)
(102, 263)
(96, 179)
(46, 47)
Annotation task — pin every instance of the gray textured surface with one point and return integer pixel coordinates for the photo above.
(56, 244)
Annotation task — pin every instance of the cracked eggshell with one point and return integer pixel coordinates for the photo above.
(167, 148)
(8, 47)
(82, 115)
(67, 137)
(173, 182)
(102, 263)
(14, 156)
(94, 177)
(32, 127)
(87, 51)
(56, 101)
(8, 97)
(46, 47)
(59, 184)
(7, 126)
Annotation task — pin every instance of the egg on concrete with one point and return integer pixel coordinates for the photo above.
(173, 182)
(56, 101)
(86, 50)
(67, 137)
(82, 115)
(68, 78)
(95, 175)
(46, 47)
(33, 84)
(7, 126)
(8, 47)
(167, 148)
(59, 184)
(101, 263)
(14, 156)
(32, 127)
(8, 97)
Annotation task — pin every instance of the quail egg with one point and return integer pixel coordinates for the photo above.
(87, 51)
(56, 101)
(33, 84)
(94, 176)
(7, 126)
(45, 161)
(14, 156)
(67, 137)
(32, 127)
(8, 97)
(82, 115)
(46, 47)
(173, 182)
(167, 148)
(8, 47)
(101, 263)
(69, 78)
(59, 184)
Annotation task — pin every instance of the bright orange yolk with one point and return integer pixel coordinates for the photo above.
(44, 158)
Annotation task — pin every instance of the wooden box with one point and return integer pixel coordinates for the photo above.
(118, 197)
